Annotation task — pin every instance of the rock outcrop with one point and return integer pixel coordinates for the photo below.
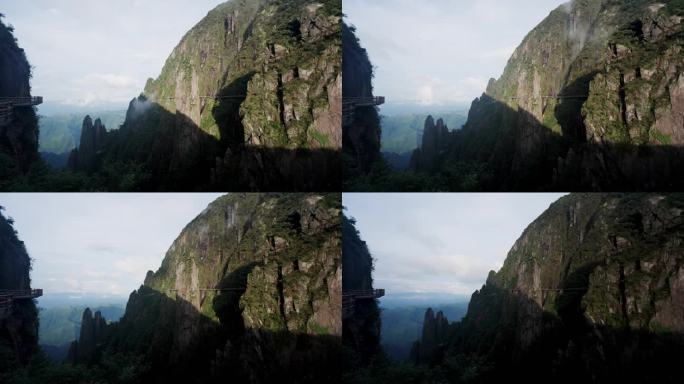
(93, 330)
(435, 140)
(434, 337)
(18, 127)
(250, 99)
(591, 291)
(19, 319)
(251, 290)
(93, 141)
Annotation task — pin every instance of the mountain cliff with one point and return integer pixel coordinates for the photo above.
(361, 327)
(434, 141)
(591, 292)
(590, 100)
(362, 133)
(249, 290)
(250, 99)
(19, 318)
(18, 126)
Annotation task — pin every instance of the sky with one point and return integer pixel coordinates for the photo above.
(99, 244)
(99, 52)
(441, 244)
(441, 51)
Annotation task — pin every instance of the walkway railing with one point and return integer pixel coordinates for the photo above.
(7, 105)
(349, 105)
(8, 296)
(349, 299)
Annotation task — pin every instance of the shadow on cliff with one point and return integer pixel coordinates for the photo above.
(157, 150)
(534, 157)
(561, 346)
(241, 167)
(157, 345)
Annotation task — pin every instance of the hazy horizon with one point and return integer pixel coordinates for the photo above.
(440, 244)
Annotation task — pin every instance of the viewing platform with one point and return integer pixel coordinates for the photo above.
(350, 298)
(9, 296)
(7, 105)
(350, 104)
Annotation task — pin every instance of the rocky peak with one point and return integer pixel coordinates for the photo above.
(92, 143)
(93, 328)
(435, 140)
(435, 333)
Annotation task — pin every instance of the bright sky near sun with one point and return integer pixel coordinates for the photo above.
(99, 243)
(441, 243)
(441, 51)
(90, 52)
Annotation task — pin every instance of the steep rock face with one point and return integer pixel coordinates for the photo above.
(249, 99)
(435, 140)
(93, 330)
(18, 321)
(362, 136)
(251, 289)
(93, 140)
(573, 106)
(19, 130)
(591, 290)
(434, 336)
(361, 330)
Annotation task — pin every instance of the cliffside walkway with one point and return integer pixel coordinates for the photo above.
(350, 298)
(7, 105)
(349, 105)
(9, 296)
